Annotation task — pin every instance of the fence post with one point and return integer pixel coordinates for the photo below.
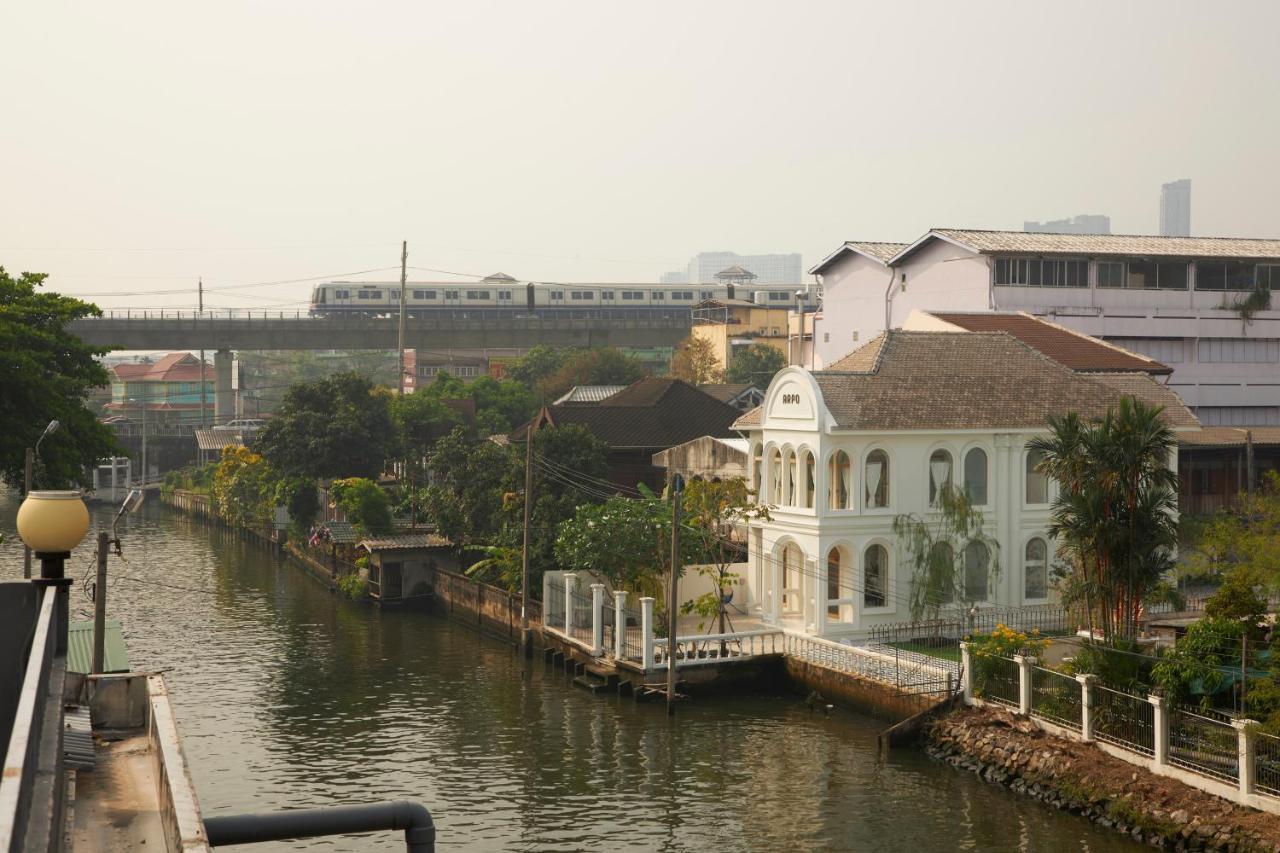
(620, 624)
(646, 631)
(597, 619)
(1024, 683)
(1248, 763)
(1160, 726)
(1086, 705)
(966, 672)
(570, 581)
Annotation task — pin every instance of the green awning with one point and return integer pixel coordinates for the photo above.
(80, 648)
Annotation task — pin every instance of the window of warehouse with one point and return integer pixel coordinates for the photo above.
(1042, 272)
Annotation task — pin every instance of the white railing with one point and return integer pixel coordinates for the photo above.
(905, 673)
(713, 648)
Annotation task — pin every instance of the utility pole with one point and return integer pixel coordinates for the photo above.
(526, 646)
(200, 309)
(28, 468)
(404, 260)
(100, 606)
(1248, 461)
(144, 441)
(673, 603)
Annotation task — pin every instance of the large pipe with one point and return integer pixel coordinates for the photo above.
(413, 818)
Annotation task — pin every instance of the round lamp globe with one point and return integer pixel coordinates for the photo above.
(52, 522)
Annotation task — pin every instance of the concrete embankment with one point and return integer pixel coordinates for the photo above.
(1079, 778)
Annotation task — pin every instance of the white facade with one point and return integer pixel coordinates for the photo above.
(1227, 370)
(828, 561)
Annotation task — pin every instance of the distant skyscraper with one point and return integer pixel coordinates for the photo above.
(1086, 223)
(768, 269)
(677, 277)
(1175, 209)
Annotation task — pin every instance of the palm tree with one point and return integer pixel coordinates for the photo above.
(1116, 511)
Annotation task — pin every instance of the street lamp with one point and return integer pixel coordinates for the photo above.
(33, 453)
(51, 523)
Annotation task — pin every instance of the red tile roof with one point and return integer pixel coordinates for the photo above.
(174, 367)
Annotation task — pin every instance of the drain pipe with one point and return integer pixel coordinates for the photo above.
(413, 818)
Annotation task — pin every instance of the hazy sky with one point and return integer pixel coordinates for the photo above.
(147, 143)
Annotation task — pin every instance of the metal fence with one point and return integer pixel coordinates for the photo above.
(1056, 697)
(909, 673)
(1124, 720)
(632, 637)
(1266, 763)
(952, 626)
(582, 617)
(1204, 741)
(996, 679)
(553, 604)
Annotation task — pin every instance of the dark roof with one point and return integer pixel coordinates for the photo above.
(982, 380)
(726, 392)
(650, 413)
(1067, 347)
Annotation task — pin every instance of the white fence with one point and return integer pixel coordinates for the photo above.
(911, 673)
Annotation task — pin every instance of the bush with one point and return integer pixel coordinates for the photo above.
(365, 505)
(353, 586)
(986, 650)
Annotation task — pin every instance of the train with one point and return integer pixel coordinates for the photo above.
(502, 295)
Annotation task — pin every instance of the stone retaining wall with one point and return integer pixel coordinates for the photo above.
(1076, 777)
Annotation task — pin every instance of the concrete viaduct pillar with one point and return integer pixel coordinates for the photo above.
(223, 399)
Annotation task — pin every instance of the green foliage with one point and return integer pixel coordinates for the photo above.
(597, 366)
(1238, 598)
(934, 546)
(500, 567)
(626, 542)
(46, 374)
(195, 478)
(985, 651)
(711, 512)
(1115, 513)
(468, 479)
(243, 487)
(695, 362)
(353, 586)
(1247, 538)
(301, 498)
(1201, 663)
(335, 427)
(365, 505)
(756, 365)
(537, 364)
(268, 374)
(1258, 299)
(1120, 665)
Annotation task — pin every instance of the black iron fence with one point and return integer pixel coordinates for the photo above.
(997, 680)
(1204, 741)
(1266, 763)
(953, 626)
(1056, 697)
(582, 616)
(553, 604)
(1124, 720)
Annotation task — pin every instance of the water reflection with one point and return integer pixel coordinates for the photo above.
(288, 696)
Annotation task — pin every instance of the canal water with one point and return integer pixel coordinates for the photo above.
(288, 696)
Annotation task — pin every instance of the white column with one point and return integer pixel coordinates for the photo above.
(809, 595)
(1024, 683)
(1160, 726)
(1086, 705)
(597, 619)
(620, 624)
(1248, 766)
(570, 582)
(820, 593)
(646, 631)
(966, 673)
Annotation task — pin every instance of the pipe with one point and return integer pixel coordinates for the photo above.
(413, 818)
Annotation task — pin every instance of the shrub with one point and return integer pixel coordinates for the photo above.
(986, 650)
(353, 586)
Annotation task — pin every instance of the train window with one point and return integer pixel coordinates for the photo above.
(451, 294)
(606, 294)
(682, 294)
(504, 295)
(584, 294)
(370, 294)
(342, 294)
(778, 296)
(424, 294)
(477, 294)
(657, 295)
(707, 294)
(556, 294)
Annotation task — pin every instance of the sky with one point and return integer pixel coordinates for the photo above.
(146, 145)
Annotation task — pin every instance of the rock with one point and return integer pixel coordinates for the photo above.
(1180, 817)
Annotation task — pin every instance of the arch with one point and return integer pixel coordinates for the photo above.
(941, 474)
(1036, 492)
(840, 586)
(875, 479)
(875, 576)
(975, 476)
(810, 477)
(941, 578)
(1035, 569)
(775, 476)
(790, 574)
(977, 563)
(839, 481)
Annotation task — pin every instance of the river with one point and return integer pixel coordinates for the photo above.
(288, 696)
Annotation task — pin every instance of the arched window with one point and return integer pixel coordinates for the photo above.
(838, 473)
(757, 469)
(977, 559)
(791, 495)
(810, 476)
(775, 477)
(975, 476)
(939, 475)
(1035, 569)
(839, 586)
(876, 478)
(1037, 480)
(941, 584)
(875, 577)
(792, 565)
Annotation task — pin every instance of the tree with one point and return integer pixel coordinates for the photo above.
(502, 566)
(301, 498)
(365, 505)
(1247, 537)
(712, 511)
(1115, 513)
(335, 427)
(46, 374)
(695, 362)
(243, 487)
(465, 498)
(626, 541)
(597, 366)
(755, 365)
(949, 554)
(538, 363)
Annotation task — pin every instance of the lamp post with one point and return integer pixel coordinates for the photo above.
(51, 523)
(33, 453)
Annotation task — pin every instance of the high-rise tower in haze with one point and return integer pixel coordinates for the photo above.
(1175, 209)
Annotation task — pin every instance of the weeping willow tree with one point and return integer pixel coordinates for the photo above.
(1115, 516)
(951, 558)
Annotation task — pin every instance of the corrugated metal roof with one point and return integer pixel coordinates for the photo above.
(77, 738)
(216, 439)
(1103, 244)
(341, 532)
(588, 393)
(80, 648)
(405, 542)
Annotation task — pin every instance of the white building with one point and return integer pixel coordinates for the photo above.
(1084, 223)
(768, 269)
(840, 453)
(1175, 208)
(1169, 298)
